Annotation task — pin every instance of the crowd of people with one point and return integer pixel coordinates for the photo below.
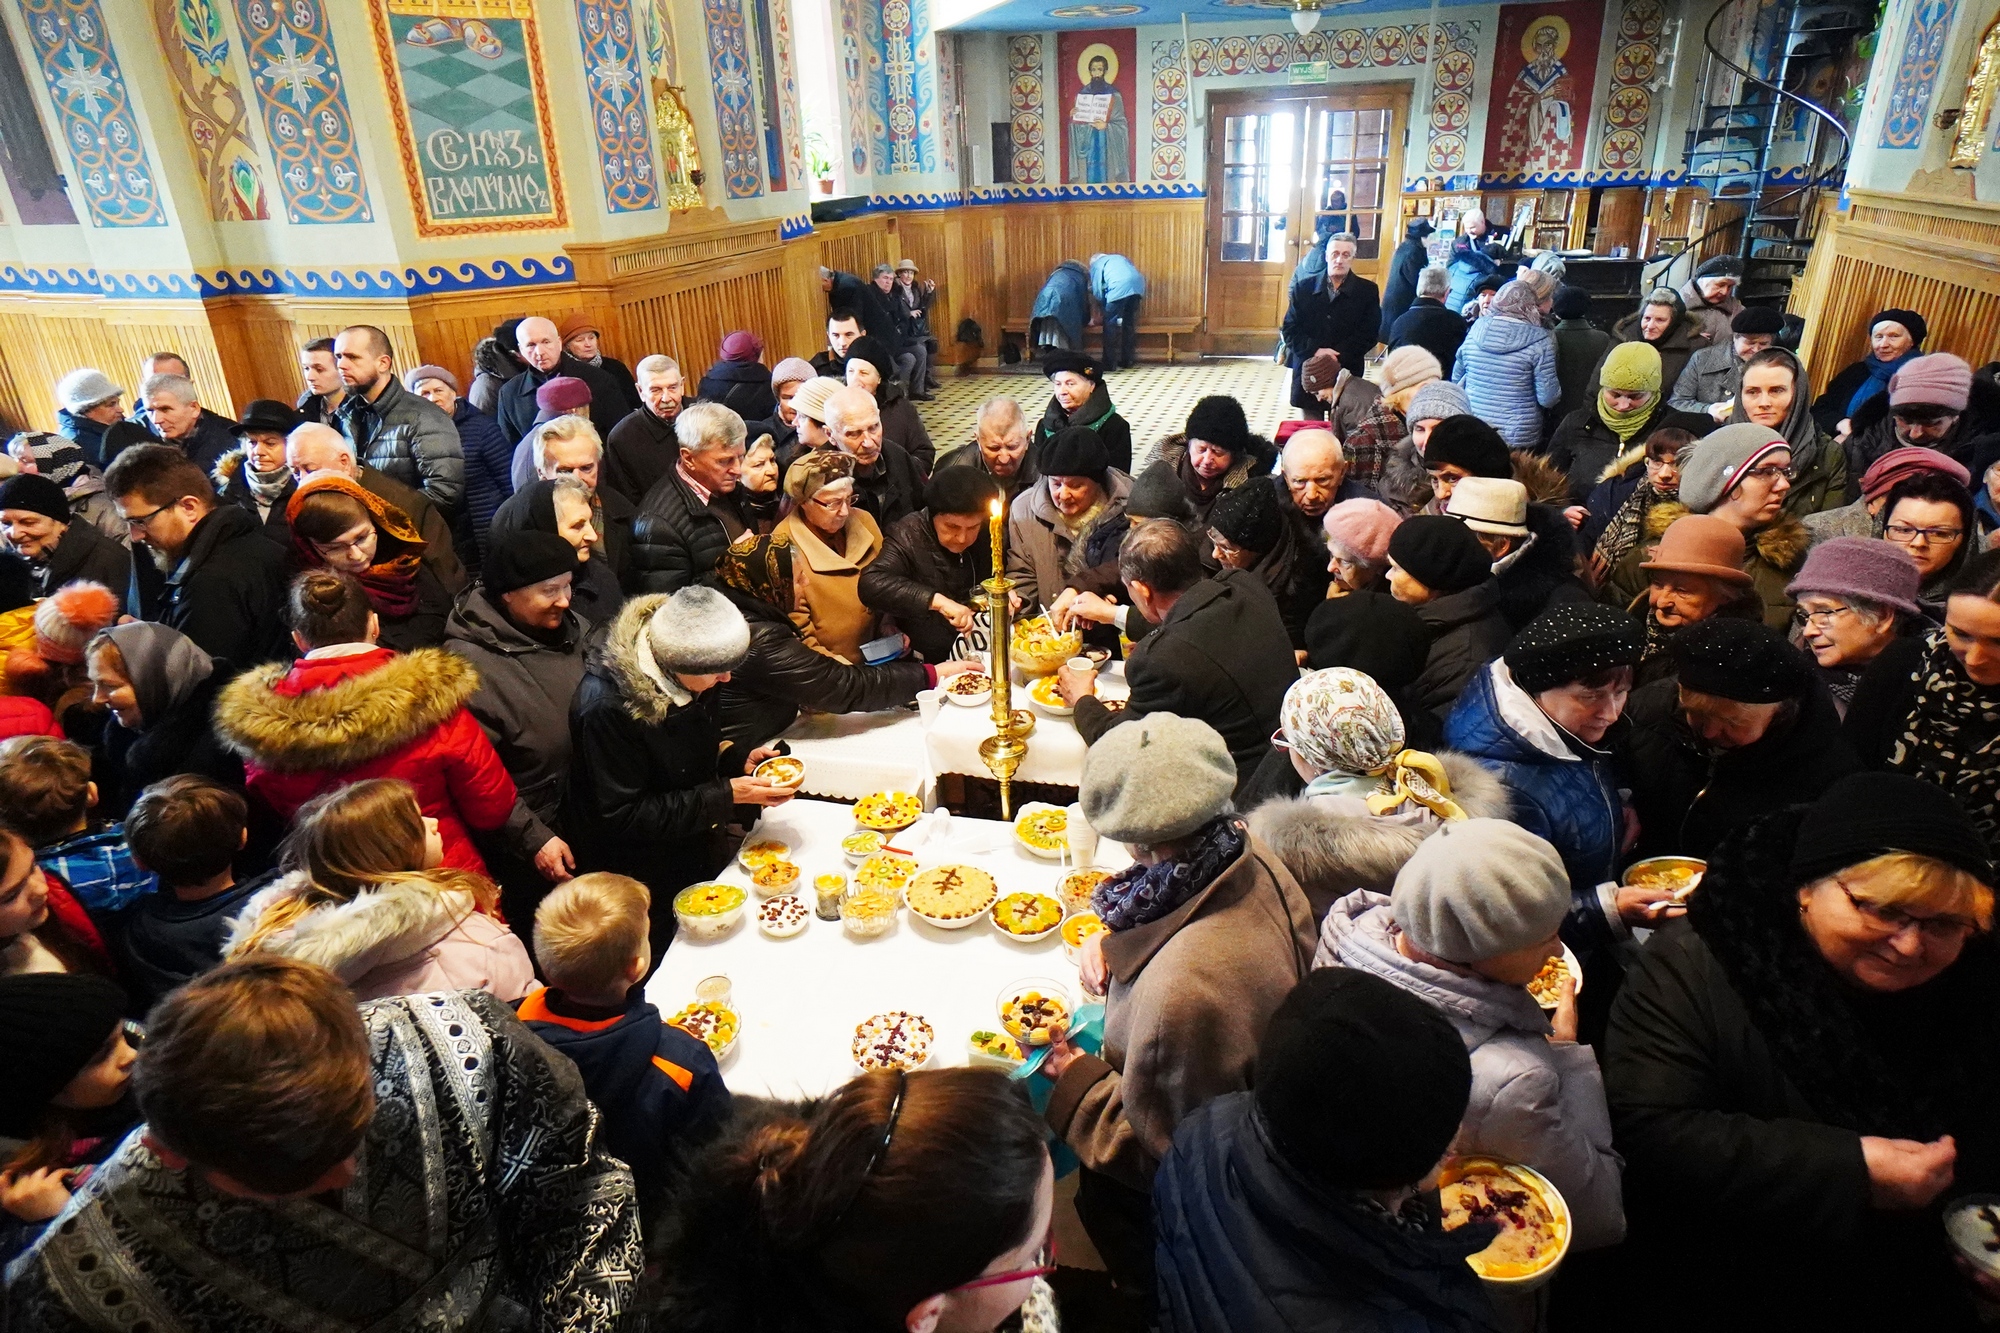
(355, 749)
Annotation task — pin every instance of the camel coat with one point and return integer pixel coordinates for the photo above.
(831, 616)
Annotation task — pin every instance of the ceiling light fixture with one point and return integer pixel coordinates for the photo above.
(1305, 15)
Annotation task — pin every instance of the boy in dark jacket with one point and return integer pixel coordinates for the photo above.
(658, 1087)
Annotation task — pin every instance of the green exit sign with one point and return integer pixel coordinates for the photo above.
(1311, 71)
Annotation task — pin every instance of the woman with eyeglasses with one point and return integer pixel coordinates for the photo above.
(1804, 1072)
(1773, 393)
(336, 524)
(1623, 497)
(1742, 474)
(1931, 518)
(918, 1203)
(1856, 595)
(834, 539)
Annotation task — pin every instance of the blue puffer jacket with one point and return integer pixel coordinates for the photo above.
(1468, 264)
(1065, 298)
(1508, 368)
(1113, 278)
(1569, 799)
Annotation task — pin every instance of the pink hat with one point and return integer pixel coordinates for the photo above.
(1937, 380)
(561, 394)
(1864, 567)
(1362, 529)
(1902, 464)
(742, 346)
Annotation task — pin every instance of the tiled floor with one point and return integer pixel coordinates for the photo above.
(1154, 399)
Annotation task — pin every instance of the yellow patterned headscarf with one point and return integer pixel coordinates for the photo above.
(1419, 778)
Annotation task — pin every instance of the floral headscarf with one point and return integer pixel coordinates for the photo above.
(760, 567)
(1517, 300)
(1342, 725)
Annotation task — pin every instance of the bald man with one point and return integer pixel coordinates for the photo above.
(888, 483)
(541, 347)
(1314, 467)
(315, 448)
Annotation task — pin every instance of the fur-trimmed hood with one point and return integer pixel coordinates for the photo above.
(228, 466)
(1618, 466)
(281, 719)
(1783, 545)
(617, 657)
(386, 925)
(1545, 481)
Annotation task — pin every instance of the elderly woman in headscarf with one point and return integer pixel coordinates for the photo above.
(338, 524)
(562, 506)
(1605, 438)
(62, 461)
(760, 495)
(1772, 393)
(739, 381)
(1895, 338)
(1662, 319)
(1214, 453)
(157, 689)
(1368, 801)
(835, 539)
(1507, 365)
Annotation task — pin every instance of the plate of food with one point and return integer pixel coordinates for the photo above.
(993, 1050)
(1036, 1011)
(1038, 650)
(867, 913)
(775, 877)
(1044, 695)
(1078, 927)
(898, 1039)
(714, 1025)
(1027, 917)
(783, 916)
(1973, 1224)
(1043, 829)
(887, 871)
(1681, 874)
(1547, 985)
(707, 911)
(969, 689)
(782, 771)
(860, 845)
(888, 811)
(1534, 1220)
(950, 897)
(761, 851)
(1076, 887)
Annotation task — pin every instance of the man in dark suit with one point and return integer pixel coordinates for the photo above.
(1220, 652)
(1339, 309)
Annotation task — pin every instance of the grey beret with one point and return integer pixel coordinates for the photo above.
(1720, 459)
(1478, 888)
(1156, 778)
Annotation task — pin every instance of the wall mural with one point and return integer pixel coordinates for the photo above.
(1024, 101)
(854, 77)
(1916, 73)
(1170, 113)
(213, 110)
(902, 89)
(1095, 78)
(613, 79)
(304, 103)
(947, 68)
(1342, 48)
(791, 120)
(1455, 46)
(27, 158)
(735, 98)
(1629, 106)
(1544, 67)
(114, 172)
(471, 113)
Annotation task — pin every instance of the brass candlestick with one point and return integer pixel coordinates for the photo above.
(1004, 750)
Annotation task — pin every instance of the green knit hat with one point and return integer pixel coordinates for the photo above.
(1632, 367)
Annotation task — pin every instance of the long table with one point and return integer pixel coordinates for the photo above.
(799, 999)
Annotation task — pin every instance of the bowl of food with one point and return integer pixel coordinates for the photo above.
(888, 811)
(1043, 829)
(775, 877)
(867, 913)
(950, 897)
(757, 852)
(1037, 649)
(860, 845)
(898, 1039)
(1078, 927)
(781, 771)
(1681, 874)
(1973, 1225)
(1547, 984)
(1533, 1217)
(1036, 1011)
(714, 1025)
(886, 871)
(1027, 917)
(1076, 887)
(1044, 695)
(994, 1050)
(968, 689)
(707, 911)
(783, 916)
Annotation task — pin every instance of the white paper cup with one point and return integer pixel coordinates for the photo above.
(1082, 839)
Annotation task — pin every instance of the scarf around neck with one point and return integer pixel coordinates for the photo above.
(1951, 736)
(1140, 895)
(391, 582)
(1626, 424)
(266, 486)
(1879, 375)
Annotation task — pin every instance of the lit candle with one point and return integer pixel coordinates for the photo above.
(996, 512)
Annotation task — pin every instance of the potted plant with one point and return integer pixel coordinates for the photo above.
(819, 159)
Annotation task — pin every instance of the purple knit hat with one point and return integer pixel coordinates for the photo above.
(1940, 380)
(1862, 567)
(1362, 528)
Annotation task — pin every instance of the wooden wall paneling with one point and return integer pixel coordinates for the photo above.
(47, 337)
(446, 327)
(1620, 211)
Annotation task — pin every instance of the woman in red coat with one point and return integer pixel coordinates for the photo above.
(349, 709)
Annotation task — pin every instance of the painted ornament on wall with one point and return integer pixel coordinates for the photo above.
(854, 79)
(612, 77)
(947, 67)
(680, 154)
(1454, 48)
(902, 89)
(1170, 122)
(1916, 73)
(1629, 107)
(472, 115)
(1544, 66)
(113, 169)
(303, 98)
(1095, 77)
(1024, 105)
(213, 110)
(735, 98)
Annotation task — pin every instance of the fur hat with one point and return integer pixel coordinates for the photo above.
(1572, 303)
(1156, 778)
(83, 389)
(1468, 442)
(1077, 451)
(1218, 419)
(1056, 361)
(1479, 888)
(876, 353)
(1719, 460)
(698, 632)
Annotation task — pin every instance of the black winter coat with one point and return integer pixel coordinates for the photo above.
(1347, 319)
(516, 410)
(1688, 800)
(903, 425)
(911, 568)
(677, 540)
(1098, 414)
(1404, 266)
(1741, 1075)
(744, 387)
(84, 553)
(211, 438)
(1545, 574)
(1583, 446)
(637, 453)
(228, 594)
(231, 488)
(1222, 655)
(1467, 632)
(892, 487)
(423, 627)
(1427, 324)
(782, 676)
(1974, 441)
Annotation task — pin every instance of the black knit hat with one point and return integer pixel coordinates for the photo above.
(36, 494)
(1866, 815)
(1571, 303)
(1218, 419)
(524, 559)
(1055, 361)
(1469, 443)
(1720, 266)
(1248, 516)
(876, 353)
(122, 435)
(1571, 641)
(1492, 282)
(1755, 319)
(1361, 1085)
(1743, 660)
(1440, 553)
(960, 490)
(51, 1025)
(1158, 493)
(1076, 451)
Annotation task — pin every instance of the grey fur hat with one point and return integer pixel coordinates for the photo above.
(83, 389)
(698, 632)
(1156, 778)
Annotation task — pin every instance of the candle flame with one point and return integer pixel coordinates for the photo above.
(994, 509)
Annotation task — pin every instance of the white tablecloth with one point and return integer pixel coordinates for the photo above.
(851, 755)
(801, 998)
(1055, 751)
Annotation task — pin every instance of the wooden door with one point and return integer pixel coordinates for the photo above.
(1284, 169)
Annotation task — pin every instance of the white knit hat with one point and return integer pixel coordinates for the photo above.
(698, 632)
(81, 390)
(1407, 366)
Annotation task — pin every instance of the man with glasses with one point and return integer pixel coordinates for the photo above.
(1741, 475)
(691, 515)
(888, 483)
(203, 568)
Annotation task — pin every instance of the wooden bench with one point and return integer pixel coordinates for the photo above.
(1167, 328)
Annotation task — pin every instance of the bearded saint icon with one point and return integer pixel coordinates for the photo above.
(1541, 129)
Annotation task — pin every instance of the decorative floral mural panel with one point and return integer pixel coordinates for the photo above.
(609, 32)
(1024, 102)
(303, 99)
(1628, 102)
(854, 79)
(902, 92)
(1916, 73)
(214, 112)
(114, 172)
(1455, 49)
(735, 98)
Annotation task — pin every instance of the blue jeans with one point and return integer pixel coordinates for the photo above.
(1121, 333)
